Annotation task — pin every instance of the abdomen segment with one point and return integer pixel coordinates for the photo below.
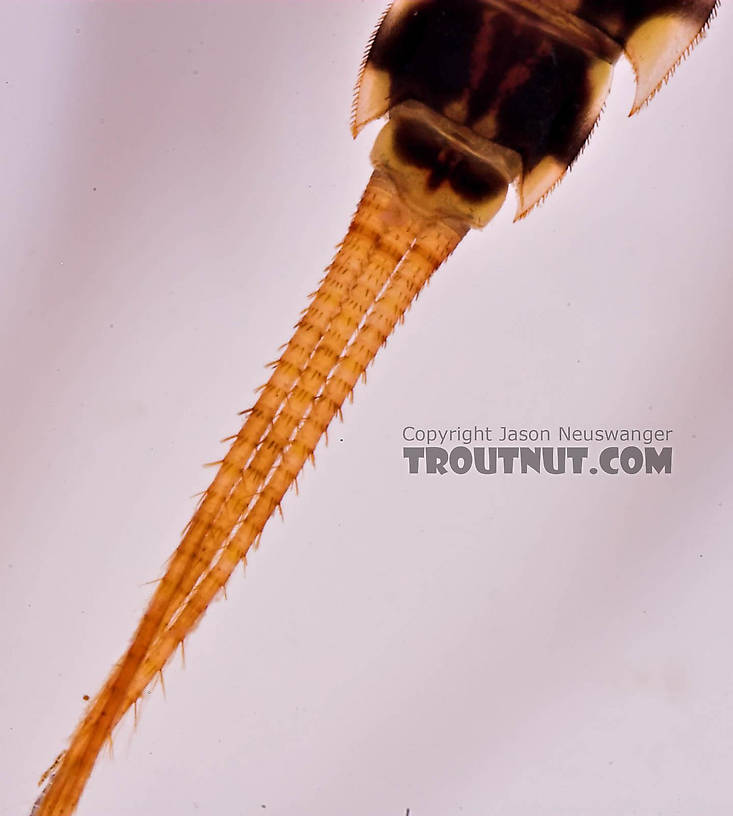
(530, 76)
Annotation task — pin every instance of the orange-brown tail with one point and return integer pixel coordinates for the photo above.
(388, 254)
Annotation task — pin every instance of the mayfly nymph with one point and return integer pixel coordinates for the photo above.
(480, 95)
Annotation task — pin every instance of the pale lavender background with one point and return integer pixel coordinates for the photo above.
(174, 178)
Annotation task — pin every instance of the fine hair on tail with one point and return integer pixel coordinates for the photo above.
(480, 95)
(388, 254)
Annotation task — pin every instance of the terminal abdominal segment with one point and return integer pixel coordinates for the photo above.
(480, 94)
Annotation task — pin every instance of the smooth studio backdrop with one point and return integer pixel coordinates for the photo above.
(174, 179)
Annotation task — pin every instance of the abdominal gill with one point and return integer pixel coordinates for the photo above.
(389, 253)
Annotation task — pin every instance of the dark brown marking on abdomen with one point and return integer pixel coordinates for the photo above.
(464, 55)
(472, 178)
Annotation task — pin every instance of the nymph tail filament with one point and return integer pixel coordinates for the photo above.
(388, 255)
(480, 95)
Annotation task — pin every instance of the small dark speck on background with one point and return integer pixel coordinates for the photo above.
(85, 697)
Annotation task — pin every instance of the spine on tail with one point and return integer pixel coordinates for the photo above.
(388, 254)
(455, 140)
